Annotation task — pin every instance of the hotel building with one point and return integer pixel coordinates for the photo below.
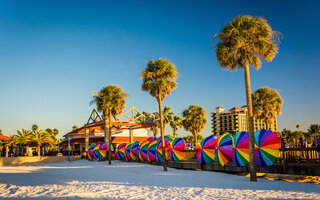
(236, 120)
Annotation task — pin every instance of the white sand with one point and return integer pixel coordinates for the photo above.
(96, 180)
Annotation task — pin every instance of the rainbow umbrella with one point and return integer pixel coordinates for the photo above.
(103, 150)
(159, 148)
(96, 151)
(152, 148)
(318, 145)
(168, 138)
(224, 151)
(127, 151)
(143, 151)
(205, 149)
(177, 149)
(134, 150)
(240, 146)
(120, 153)
(267, 144)
(150, 139)
(90, 151)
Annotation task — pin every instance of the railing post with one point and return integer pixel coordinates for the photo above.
(284, 160)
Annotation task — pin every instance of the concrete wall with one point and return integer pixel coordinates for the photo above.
(35, 160)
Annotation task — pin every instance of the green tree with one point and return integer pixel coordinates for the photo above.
(175, 124)
(314, 131)
(244, 41)
(40, 137)
(1, 132)
(74, 127)
(159, 79)
(34, 127)
(267, 104)
(23, 138)
(111, 101)
(194, 120)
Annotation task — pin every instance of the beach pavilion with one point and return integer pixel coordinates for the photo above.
(130, 126)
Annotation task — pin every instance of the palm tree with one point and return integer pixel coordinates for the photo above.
(243, 42)
(194, 120)
(267, 104)
(167, 117)
(111, 102)
(23, 138)
(175, 124)
(159, 79)
(39, 137)
(314, 131)
(34, 127)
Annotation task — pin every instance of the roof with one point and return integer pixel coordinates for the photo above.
(117, 140)
(219, 107)
(234, 108)
(4, 138)
(244, 106)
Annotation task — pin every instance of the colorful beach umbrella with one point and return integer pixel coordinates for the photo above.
(120, 153)
(177, 149)
(103, 150)
(169, 138)
(205, 150)
(143, 151)
(159, 148)
(134, 150)
(127, 151)
(224, 151)
(96, 151)
(318, 145)
(90, 151)
(240, 146)
(150, 139)
(267, 144)
(152, 148)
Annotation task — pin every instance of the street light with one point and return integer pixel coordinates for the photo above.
(68, 137)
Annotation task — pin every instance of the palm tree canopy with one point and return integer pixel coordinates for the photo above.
(110, 100)
(34, 127)
(194, 119)
(159, 78)
(267, 104)
(314, 129)
(176, 123)
(167, 115)
(245, 40)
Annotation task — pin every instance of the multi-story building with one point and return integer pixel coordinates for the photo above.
(236, 120)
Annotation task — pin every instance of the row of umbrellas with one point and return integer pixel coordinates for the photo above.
(236, 148)
(98, 151)
(151, 150)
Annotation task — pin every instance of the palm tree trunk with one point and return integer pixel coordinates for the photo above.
(252, 163)
(162, 136)
(39, 150)
(174, 134)
(195, 135)
(109, 144)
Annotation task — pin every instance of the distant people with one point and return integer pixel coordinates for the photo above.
(302, 143)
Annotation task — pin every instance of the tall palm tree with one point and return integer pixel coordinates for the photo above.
(111, 101)
(244, 41)
(267, 104)
(159, 79)
(175, 124)
(194, 120)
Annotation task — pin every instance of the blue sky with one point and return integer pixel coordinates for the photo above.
(54, 53)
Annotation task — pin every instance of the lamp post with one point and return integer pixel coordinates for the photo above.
(68, 137)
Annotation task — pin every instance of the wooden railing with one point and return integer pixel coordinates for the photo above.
(299, 157)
